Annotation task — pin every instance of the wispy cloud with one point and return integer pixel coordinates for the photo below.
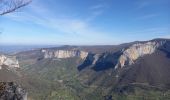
(99, 6)
(147, 16)
(95, 14)
(142, 4)
(42, 16)
(39, 14)
(143, 9)
(96, 10)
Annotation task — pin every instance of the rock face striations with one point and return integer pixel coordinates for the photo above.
(126, 56)
(9, 61)
(135, 51)
(64, 54)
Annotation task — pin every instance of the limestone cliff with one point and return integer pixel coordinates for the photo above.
(64, 54)
(121, 58)
(9, 61)
(135, 51)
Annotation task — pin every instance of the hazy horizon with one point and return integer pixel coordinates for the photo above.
(56, 45)
(85, 49)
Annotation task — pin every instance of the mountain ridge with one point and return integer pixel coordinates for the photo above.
(94, 77)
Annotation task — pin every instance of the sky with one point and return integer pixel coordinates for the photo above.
(86, 22)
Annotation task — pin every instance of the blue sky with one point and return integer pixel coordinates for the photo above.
(86, 22)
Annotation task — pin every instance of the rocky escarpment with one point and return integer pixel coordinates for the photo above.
(64, 53)
(135, 51)
(9, 61)
(121, 58)
(100, 61)
(11, 91)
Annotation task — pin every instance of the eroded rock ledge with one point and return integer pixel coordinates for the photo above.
(135, 51)
(126, 56)
(9, 61)
(64, 54)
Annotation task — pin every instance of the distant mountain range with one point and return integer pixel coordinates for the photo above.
(133, 71)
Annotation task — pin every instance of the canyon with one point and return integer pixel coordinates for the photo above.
(86, 72)
(123, 57)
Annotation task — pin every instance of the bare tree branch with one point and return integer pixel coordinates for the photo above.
(8, 6)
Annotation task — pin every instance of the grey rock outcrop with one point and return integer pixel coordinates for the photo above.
(9, 61)
(64, 54)
(135, 51)
(126, 56)
(11, 91)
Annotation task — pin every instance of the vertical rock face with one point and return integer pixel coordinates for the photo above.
(2, 59)
(123, 57)
(135, 51)
(65, 54)
(96, 57)
(83, 54)
(11, 91)
(10, 61)
(99, 62)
